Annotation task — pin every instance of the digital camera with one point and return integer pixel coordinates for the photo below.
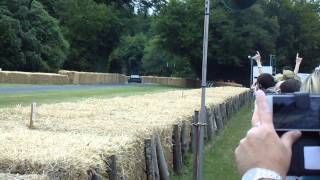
(299, 111)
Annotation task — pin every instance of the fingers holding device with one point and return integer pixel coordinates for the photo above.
(262, 151)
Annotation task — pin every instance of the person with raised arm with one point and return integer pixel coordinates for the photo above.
(298, 62)
(257, 58)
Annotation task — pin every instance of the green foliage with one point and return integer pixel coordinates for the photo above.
(299, 22)
(93, 31)
(157, 61)
(30, 39)
(232, 35)
(127, 57)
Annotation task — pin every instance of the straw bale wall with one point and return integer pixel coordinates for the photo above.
(73, 140)
(171, 81)
(76, 77)
(32, 78)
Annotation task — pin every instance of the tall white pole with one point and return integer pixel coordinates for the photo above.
(202, 121)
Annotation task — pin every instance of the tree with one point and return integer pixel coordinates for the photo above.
(232, 35)
(299, 22)
(93, 31)
(30, 39)
(127, 57)
(157, 61)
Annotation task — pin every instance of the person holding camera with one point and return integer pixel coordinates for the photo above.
(262, 154)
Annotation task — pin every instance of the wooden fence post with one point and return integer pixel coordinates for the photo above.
(177, 157)
(184, 142)
(194, 140)
(219, 121)
(154, 158)
(148, 157)
(195, 120)
(96, 173)
(205, 129)
(112, 167)
(162, 163)
(209, 125)
(33, 115)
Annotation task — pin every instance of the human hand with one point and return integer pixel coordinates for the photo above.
(262, 147)
(257, 57)
(298, 59)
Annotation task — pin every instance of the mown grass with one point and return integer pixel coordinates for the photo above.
(219, 161)
(11, 99)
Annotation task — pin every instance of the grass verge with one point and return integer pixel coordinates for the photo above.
(8, 99)
(219, 160)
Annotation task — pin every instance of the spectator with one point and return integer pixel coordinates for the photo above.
(265, 82)
(288, 73)
(290, 86)
(312, 83)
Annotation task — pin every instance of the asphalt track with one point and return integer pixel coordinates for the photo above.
(8, 89)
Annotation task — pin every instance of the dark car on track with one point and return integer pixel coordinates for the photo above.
(134, 79)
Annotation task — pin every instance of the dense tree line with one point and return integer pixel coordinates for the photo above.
(155, 37)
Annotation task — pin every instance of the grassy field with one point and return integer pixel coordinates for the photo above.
(219, 158)
(11, 99)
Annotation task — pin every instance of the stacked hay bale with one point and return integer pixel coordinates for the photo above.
(171, 81)
(71, 140)
(32, 78)
(93, 78)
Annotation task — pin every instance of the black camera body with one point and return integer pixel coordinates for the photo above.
(299, 111)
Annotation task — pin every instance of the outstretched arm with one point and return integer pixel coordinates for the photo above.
(257, 57)
(298, 62)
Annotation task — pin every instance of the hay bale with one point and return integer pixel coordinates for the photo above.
(17, 77)
(3, 77)
(123, 78)
(32, 78)
(94, 78)
(48, 78)
(171, 81)
(72, 138)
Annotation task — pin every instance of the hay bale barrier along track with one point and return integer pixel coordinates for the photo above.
(76, 140)
(18, 77)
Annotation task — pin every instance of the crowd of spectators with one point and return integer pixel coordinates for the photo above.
(288, 81)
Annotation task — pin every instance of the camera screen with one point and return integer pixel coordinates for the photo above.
(287, 115)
